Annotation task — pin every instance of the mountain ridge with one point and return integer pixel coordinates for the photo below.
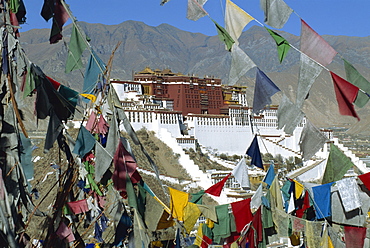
(165, 46)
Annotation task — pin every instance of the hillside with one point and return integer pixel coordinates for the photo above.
(165, 46)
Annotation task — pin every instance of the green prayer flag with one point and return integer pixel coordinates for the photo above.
(282, 44)
(131, 195)
(337, 165)
(14, 5)
(355, 78)
(197, 197)
(224, 36)
(77, 45)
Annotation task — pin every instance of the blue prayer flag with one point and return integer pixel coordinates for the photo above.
(270, 175)
(263, 91)
(84, 143)
(321, 196)
(94, 68)
(254, 152)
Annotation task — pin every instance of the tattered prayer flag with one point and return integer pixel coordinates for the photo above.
(270, 176)
(224, 36)
(309, 70)
(355, 78)
(124, 164)
(195, 9)
(337, 165)
(240, 173)
(263, 91)
(277, 12)
(85, 142)
(235, 20)
(314, 46)
(178, 202)
(131, 195)
(94, 68)
(289, 115)
(60, 17)
(77, 45)
(311, 140)
(217, 188)
(283, 45)
(240, 64)
(254, 152)
(346, 94)
(65, 232)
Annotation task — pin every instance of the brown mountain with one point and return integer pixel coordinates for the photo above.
(165, 46)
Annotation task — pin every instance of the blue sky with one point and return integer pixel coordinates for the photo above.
(333, 17)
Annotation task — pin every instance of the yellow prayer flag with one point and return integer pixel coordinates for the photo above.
(178, 202)
(330, 243)
(191, 215)
(210, 223)
(235, 20)
(276, 197)
(298, 189)
(199, 238)
(89, 96)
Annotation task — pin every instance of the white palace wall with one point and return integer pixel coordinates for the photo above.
(221, 134)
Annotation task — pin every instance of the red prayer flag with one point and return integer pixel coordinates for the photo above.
(124, 163)
(217, 188)
(78, 207)
(314, 46)
(242, 213)
(346, 94)
(365, 178)
(354, 236)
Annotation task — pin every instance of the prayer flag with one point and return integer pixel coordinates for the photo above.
(131, 195)
(263, 91)
(346, 94)
(349, 193)
(242, 213)
(240, 64)
(235, 20)
(337, 165)
(191, 215)
(178, 202)
(89, 96)
(95, 67)
(355, 78)
(309, 70)
(59, 18)
(78, 207)
(217, 188)
(314, 46)
(270, 175)
(85, 142)
(197, 197)
(77, 45)
(256, 198)
(277, 12)
(289, 115)
(283, 45)
(254, 152)
(311, 140)
(354, 236)
(195, 9)
(65, 232)
(365, 178)
(224, 36)
(298, 189)
(321, 195)
(124, 164)
(240, 173)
